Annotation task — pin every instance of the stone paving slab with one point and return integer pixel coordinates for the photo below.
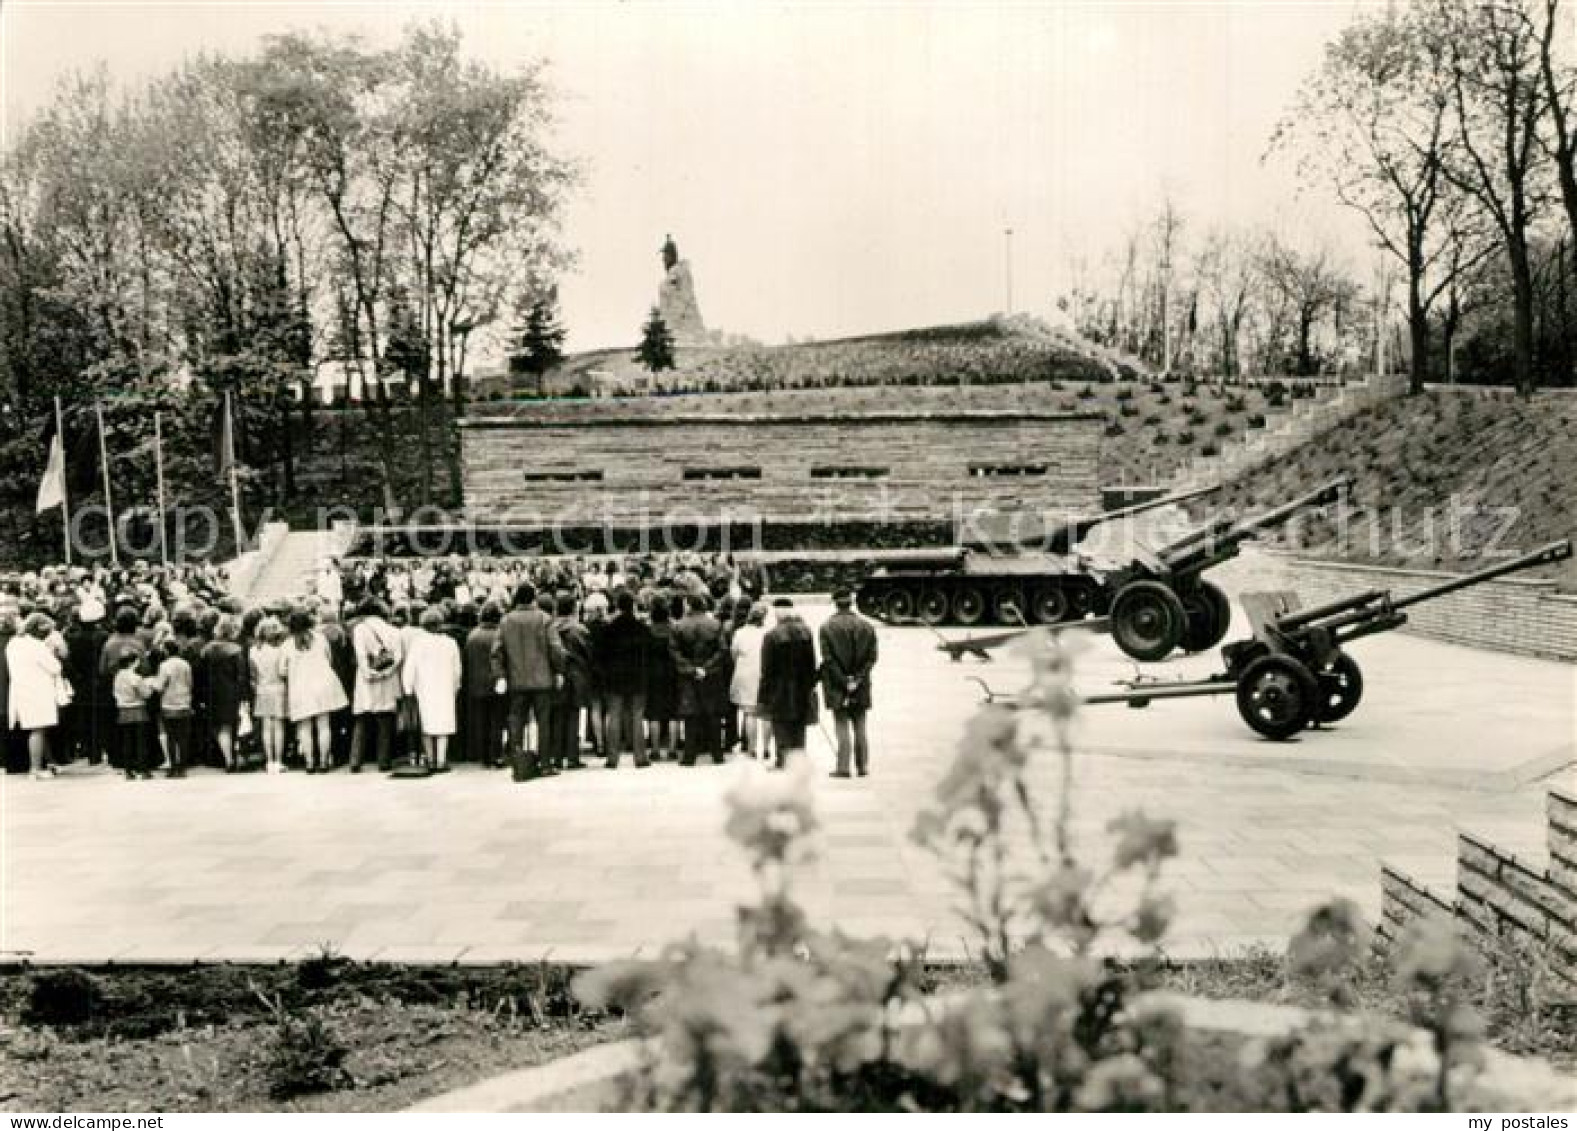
(473, 868)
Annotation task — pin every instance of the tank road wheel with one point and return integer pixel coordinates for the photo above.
(1208, 613)
(1048, 605)
(869, 601)
(1340, 689)
(899, 606)
(933, 606)
(1277, 696)
(969, 606)
(1147, 620)
(1007, 607)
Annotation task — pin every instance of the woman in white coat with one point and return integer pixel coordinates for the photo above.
(431, 674)
(35, 688)
(744, 690)
(313, 691)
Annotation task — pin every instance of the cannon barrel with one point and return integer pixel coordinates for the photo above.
(1227, 534)
(1297, 620)
(1062, 537)
(1544, 555)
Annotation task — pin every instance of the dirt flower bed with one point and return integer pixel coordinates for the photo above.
(324, 1035)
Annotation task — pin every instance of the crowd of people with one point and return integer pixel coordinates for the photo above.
(535, 664)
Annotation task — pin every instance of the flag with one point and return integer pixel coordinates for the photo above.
(226, 441)
(52, 488)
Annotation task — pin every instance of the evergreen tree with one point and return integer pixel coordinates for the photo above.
(539, 343)
(657, 344)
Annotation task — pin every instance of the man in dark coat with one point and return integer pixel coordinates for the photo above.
(848, 653)
(788, 679)
(528, 664)
(575, 693)
(698, 653)
(622, 649)
(84, 643)
(484, 713)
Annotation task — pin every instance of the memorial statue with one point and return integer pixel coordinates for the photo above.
(676, 299)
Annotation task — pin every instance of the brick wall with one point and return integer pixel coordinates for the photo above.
(1509, 615)
(1404, 901)
(1561, 809)
(632, 468)
(1504, 898)
(1503, 902)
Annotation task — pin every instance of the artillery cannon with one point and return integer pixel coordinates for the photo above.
(1152, 604)
(1293, 672)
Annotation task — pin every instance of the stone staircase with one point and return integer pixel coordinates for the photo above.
(1524, 899)
(1307, 419)
(291, 569)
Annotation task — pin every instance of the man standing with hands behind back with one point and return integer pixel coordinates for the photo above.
(528, 664)
(848, 653)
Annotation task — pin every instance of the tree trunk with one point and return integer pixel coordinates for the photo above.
(1522, 322)
(1417, 330)
(1305, 356)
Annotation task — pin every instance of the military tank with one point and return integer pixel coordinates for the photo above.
(1153, 604)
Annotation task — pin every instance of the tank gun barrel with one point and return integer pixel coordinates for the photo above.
(1220, 539)
(1063, 537)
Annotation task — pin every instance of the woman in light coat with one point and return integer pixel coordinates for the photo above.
(376, 696)
(431, 674)
(745, 687)
(35, 673)
(313, 691)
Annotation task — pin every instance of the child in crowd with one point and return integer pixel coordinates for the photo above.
(131, 693)
(268, 691)
(173, 682)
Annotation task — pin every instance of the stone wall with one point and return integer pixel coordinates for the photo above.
(1561, 810)
(899, 466)
(1509, 615)
(1404, 901)
(1501, 900)
(1504, 896)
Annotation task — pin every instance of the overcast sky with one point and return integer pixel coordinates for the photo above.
(831, 169)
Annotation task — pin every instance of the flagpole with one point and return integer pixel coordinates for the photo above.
(235, 486)
(158, 467)
(65, 504)
(109, 502)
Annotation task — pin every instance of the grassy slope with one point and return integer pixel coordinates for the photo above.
(1000, 348)
(1413, 456)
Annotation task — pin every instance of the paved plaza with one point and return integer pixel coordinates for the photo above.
(472, 867)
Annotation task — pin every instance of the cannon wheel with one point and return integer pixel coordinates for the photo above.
(1223, 611)
(1208, 615)
(969, 605)
(1147, 620)
(933, 606)
(1007, 607)
(1277, 696)
(899, 606)
(1049, 605)
(1340, 689)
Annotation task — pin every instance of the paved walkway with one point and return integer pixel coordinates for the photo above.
(471, 867)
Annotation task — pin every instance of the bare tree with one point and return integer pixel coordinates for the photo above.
(1226, 272)
(1493, 49)
(1377, 122)
(1312, 286)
